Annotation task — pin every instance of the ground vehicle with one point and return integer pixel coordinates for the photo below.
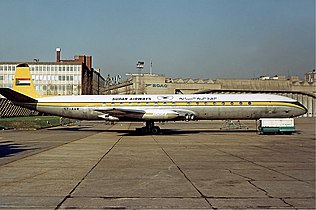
(276, 125)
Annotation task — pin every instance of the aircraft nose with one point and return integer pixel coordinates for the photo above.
(301, 110)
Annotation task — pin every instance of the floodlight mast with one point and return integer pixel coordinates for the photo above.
(139, 66)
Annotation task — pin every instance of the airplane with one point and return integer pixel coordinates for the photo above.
(151, 108)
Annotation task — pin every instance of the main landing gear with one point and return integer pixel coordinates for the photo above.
(150, 128)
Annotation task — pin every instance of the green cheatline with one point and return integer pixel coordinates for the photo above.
(32, 122)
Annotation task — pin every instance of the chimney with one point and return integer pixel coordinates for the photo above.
(58, 54)
(89, 61)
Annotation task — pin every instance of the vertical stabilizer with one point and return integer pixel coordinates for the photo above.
(23, 82)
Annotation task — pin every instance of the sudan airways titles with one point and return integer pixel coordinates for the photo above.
(186, 98)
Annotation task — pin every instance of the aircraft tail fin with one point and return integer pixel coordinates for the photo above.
(23, 82)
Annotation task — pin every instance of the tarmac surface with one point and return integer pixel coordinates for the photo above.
(192, 165)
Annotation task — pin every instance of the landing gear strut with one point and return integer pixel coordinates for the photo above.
(150, 128)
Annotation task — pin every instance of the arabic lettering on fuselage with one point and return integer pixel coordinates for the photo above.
(132, 99)
(197, 98)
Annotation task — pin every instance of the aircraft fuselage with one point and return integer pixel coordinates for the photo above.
(171, 107)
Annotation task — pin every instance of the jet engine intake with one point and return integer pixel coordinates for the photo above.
(160, 115)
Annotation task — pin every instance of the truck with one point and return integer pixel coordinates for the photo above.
(276, 126)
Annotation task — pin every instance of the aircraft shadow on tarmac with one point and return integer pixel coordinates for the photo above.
(162, 132)
(180, 132)
(8, 148)
(77, 128)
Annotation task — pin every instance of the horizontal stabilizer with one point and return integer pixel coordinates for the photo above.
(16, 96)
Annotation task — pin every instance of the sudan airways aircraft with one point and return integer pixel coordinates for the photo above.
(151, 108)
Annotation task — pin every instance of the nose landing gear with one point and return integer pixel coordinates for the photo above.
(150, 128)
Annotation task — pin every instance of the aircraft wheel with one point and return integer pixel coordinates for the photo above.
(155, 130)
(144, 130)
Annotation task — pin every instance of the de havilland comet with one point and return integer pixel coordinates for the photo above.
(151, 108)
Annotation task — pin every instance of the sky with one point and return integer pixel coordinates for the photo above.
(184, 38)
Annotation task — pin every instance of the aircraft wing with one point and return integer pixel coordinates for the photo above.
(147, 114)
(123, 113)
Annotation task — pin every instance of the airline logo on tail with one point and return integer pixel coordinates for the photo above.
(22, 81)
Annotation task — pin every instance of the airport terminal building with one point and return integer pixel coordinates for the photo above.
(62, 77)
